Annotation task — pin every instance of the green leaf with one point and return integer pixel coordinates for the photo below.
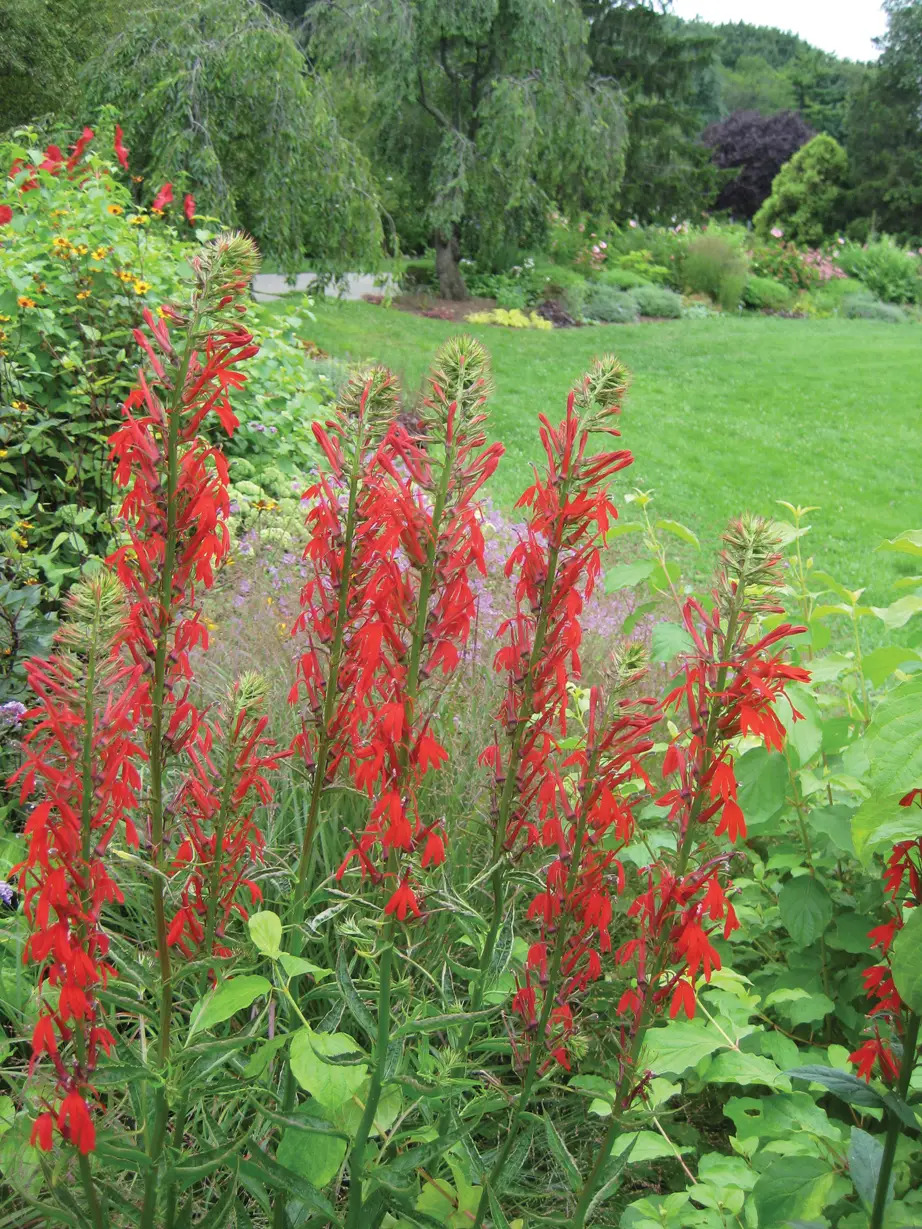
(762, 780)
(882, 662)
(266, 932)
(260, 1058)
(738, 1067)
(907, 543)
(560, 1151)
(842, 1084)
(806, 909)
(906, 962)
(263, 1168)
(879, 822)
(294, 966)
(893, 742)
(624, 575)
(680, 531)
(357, 1009)
(898, 613)
(669, 640)
(804, 736)
(645, 1146)
(672, 1048)
(792, 1188)
(865, 1154)
(331, 1085)
(230, 997)
(311, 1154)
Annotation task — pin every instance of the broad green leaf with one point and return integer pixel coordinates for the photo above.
(792, 1188)
(672, 1048)
(907, 543)
(624, 575)
(898, 613)
(737, 1067)
(835, 823)
(865, 1154)
(679, 531)
(782, 1116)
(311, 1154)
(330, 1084)
(806, 909)
(881, 663)
(804, 736)
(827, 669)
(349, 1115)
(230, 997)
(645, 1146)
(762, 780)
(266, 932)
(668, 640)
(260, 1058)
(906, 962)
(879, 822)
(893, 742)
(294, 966)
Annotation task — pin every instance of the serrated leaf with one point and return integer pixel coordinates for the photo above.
(221, 1004)
(265, 930)
(645, 1146)
(865, 1154)
(842, 1084)
(806, 909)
(739, 1067)
(560, 1151)
(879, 822)
(881, 663)
(668, 641)
(906, 962)
(893, 743)
(762, 782)
(673, 1048)
(793, 1187)
(625, 575)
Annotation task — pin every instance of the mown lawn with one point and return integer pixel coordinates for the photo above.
(723, 415)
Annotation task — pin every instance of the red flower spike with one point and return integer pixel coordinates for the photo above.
(163, 198)
(121, 152)
(188, 207)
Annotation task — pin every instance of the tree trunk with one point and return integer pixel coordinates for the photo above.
(447, 255)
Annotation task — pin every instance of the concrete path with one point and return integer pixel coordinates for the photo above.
(268, 286)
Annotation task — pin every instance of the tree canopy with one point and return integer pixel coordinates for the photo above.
(215, 95)
(755, 146)
(806, 195)
(487, 109)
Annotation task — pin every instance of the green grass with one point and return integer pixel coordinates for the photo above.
(723, 415)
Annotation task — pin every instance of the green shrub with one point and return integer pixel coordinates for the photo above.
(829, 296)
(610, 306)
(420, 276)
(642, 262)
(621, 279)
(658, 301)
(887, 270)
(866, 307)
(547, 281)
(806, 196)
(511, 297)
(713, 266)
(765, 294)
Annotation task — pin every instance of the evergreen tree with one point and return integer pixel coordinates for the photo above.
(806, 196)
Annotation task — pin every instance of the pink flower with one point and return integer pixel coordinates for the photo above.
(841, 242)
(595, 249)
(632, 224)
(603, 246)
(777, 232)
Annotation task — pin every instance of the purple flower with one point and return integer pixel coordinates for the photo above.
(12, 713)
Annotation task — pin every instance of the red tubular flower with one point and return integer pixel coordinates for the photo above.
(121, 152)
(163, 198)
(6, 215)
(80, 147)
(81, 764)
(188, 207)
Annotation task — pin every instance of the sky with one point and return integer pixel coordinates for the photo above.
(845, 27)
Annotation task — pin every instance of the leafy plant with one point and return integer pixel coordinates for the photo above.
(713, 266)
(765, 294)
(887, 270)
(806, 197)
(512, 319)
(657, 301)
(865, 306)
(609, 305)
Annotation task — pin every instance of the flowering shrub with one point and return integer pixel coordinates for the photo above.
(355, 961)
(889, 271)
(784, 263)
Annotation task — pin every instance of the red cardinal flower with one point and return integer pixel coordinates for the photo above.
(403, 902)
(164, 197)
(79, 148)
(120, 151)
(6, 215)
(188, 207)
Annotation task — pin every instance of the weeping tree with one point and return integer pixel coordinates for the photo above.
(487, 110)
(216, 97)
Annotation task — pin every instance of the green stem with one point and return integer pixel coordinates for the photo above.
(550, 994)
(910, 1041)
(161, 1108)
(643, 1019)
(89, 1187)
(357, 1155)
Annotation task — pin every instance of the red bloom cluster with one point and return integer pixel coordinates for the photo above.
(221, 842)
(82, 764)
(903, 884)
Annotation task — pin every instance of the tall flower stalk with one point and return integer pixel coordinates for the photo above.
(81, 763)
(175, 512)
(728, 687)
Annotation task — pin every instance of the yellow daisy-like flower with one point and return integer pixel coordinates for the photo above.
(83, 294)
(141, 287)
(163, 316)
(19, 405)
(137, 179)
(114, 209)
(124, 276)
(59, 213)
(2, 334)
(139, 219)
(20, 541)
(81, 249)
(5, 319)
(60, 242)
(100, 253)
(33, 580)
(25, 301)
